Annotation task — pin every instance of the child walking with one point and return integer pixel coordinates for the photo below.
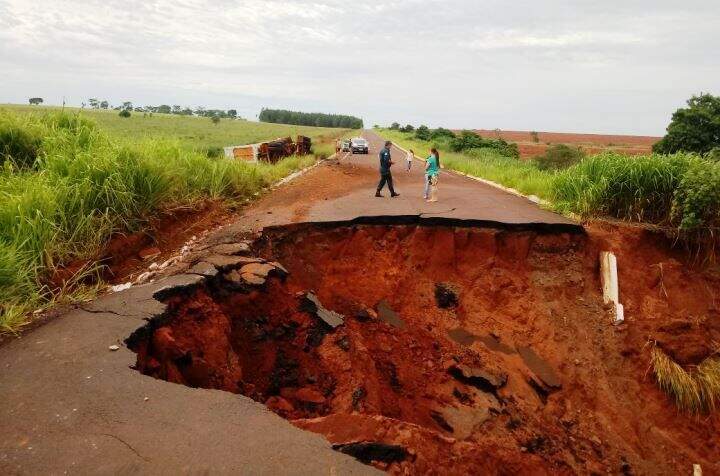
(409, 157)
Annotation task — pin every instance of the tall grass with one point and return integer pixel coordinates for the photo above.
(83, 185)
(693, 391)
(680, 191)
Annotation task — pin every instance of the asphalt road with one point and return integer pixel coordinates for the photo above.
(344, 193)
(70, 405)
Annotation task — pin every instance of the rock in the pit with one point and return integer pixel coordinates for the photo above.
(311, 304)
(113, 348)
(478, 378)
(254, 274)
(369, 451)
(446, 295)
(310, 395)
(343, 343)
(279, 404)
(366, 315)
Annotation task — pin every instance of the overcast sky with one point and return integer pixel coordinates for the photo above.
(616, 66)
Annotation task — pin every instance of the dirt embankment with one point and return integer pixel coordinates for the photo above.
(478, 351)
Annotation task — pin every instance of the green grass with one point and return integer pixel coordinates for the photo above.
(193, 133)
(81, 184)
(680, 192)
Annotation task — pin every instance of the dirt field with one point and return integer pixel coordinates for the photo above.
(591, 143)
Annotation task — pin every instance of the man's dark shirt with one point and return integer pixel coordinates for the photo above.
(385, 161)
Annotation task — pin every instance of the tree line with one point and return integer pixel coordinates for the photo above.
(281, 116)
(127, 106)
(165, 109)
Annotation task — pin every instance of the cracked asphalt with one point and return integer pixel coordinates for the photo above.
(70, 405)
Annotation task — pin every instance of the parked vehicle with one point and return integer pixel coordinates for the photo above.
(359, 146)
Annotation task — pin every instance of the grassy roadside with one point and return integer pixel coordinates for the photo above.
(66, 185)
(679, 192)
(191, 133)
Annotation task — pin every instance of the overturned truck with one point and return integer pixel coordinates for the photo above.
(270, 151)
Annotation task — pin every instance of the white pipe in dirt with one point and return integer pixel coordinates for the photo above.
(697, 470)
(610, 285)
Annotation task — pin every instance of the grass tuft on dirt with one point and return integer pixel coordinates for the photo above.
(693, 391)
(66, 186)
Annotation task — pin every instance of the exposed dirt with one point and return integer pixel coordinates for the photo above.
(590, 143)
(167, 233)
(466, 351)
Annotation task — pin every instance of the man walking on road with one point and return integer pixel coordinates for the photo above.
(385, 175)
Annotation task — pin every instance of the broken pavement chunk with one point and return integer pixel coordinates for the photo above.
(232, 248)
(386, 313)
(204, 268)
(462, 420)
(369, 451)
(311, 304)
(540, 368)
(264, 270)
(479, 378)
(223, 262)
(462, 337)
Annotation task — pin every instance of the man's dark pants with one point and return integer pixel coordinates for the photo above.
(386, 178)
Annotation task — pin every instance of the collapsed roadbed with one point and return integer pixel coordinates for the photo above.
(413, 348)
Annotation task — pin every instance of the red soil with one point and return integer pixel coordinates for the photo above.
(590, 143)
(370, 381)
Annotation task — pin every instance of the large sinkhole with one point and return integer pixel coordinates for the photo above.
(395, 342)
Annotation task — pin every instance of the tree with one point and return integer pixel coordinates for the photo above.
(695, 128)
(104, 105)
(94, 103)
(467, 140)
(35, 101)
(441, 133)
(176, 109)
(423, 133)
(281, 116)
(559, 156)
(127, 105)
(125, 113)
(535, 137)
(164, 109)
(232, 113)
(407, 128)
(215, 119)
(394, 126)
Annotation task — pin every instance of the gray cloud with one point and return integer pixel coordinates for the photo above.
(612, 66)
